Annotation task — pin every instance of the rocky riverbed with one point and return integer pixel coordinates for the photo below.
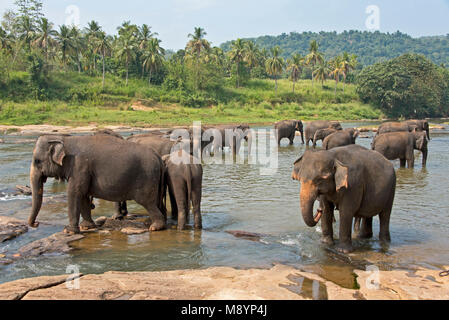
(278, 283)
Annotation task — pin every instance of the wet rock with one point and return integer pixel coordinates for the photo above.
(133, 231)
(117, 225)
(100, 221)
(246, 235)
(25, 190)
(11, 228)
(56, 243)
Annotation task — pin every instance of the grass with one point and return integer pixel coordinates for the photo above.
(79, 99)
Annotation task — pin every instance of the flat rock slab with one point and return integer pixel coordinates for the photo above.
(129, 223)
(133, 231)
(222, 283)
(11, 228)
(246, 235)
(56, 243)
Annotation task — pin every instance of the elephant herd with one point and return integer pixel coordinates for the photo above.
(358, 182)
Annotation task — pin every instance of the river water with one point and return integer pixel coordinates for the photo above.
(238, 197)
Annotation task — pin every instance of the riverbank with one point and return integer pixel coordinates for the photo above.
(221, 283)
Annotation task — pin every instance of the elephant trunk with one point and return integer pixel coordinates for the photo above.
(428, 133)
(308, 196)
(37, 188)
(302, 135)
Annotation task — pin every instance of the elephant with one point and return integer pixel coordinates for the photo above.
(322, 134)
(314, 126)
(99, 166)
(184, 178)
(387, 127)
(421, 125)
(358, 182)
(401, 145)
(340, 138)
(287, 129)
(234, 141)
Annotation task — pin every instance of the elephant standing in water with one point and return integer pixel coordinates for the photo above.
(322, 134)
(314, 126)
(360, 183)
(99, 166)
(231, 136)
(288, 129)
(401, 145)
(340, 138)
(405, 126)
(184, 179)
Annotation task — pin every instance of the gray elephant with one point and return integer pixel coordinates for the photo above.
(288, 129)
(421, 125)
(340, 138)
(184, 178)
(322, 134)
(401, 145)
(236, 135)
(314, 126)
(358, 182)
(93, 168)
(405, 126)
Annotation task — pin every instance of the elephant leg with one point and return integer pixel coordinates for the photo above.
(411, 160)
(196, 201)
(403, 162)
(292, 138)
(173, 205)
(384, 217)
(74, 212)
(367, 229)
(346, 219)
(183, 210)
(87, 223)
(357, 225)
(121, 210)
(327, 220)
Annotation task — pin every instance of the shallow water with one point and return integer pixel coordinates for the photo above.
(237, 197)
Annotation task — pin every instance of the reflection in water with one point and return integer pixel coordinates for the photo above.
(237, 197)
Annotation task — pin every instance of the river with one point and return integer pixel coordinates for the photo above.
(238, 197)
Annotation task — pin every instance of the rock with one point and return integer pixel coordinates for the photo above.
(2, 141)
(117, 225)
(133, 231)
(100, 221)
(25, 190)
(56, 243)
(11, 228)
(246, 235)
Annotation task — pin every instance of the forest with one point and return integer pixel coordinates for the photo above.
(81, 74)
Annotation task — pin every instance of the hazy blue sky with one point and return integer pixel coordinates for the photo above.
(228, 19)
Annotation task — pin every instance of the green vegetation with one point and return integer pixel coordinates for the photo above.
(370, 47)
(406, 87)
(74, 76)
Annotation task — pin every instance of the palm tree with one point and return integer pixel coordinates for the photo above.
(78, 45)
(127, 51)
(44, 35)
(5, 40)
(275, 65)
(26, 30)
(336, 67)
(295, 65)
(349, 63)
(144, 36)
(102, 46)
(92, 31)
(195, 47)
(314, 56)
(237, 55)
(251, 55)
(64, 39)
(153, 57)
(321, 71)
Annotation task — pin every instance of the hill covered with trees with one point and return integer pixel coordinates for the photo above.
(370, 47)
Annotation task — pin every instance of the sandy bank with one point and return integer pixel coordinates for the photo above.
(279, 283)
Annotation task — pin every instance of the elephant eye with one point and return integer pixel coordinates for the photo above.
(37, 161)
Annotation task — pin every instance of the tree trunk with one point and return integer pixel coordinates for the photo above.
(126, 72)
(151, 73)
(103, 68)
(276, 85)
(294, 81)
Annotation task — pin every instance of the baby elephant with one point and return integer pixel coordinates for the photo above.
(340, 138)
(322, 134)
(401, 145)
(184, 178)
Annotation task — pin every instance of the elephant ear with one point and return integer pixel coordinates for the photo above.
(296, 175)
(341, 176)
(57, 152)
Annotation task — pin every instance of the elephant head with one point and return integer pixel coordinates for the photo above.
(336, 125)
(319, 173)
(354, 133)
(299, 126)
(426, 128)
(48, 158)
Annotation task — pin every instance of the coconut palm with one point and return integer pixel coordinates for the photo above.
(144, 35)
(314, 55)
(336, 70)
(195, 47)
(321, 71)
(78, 45)
(102, 45)
(251, 54)
(349, 63)
(275, 65)
(153, 57)
(126, 51)
(5, 40)
(237, 55)
(64, 39)
(26, 30)
(295, 65)
(44, 36)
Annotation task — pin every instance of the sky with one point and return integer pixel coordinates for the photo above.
(226, 20)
